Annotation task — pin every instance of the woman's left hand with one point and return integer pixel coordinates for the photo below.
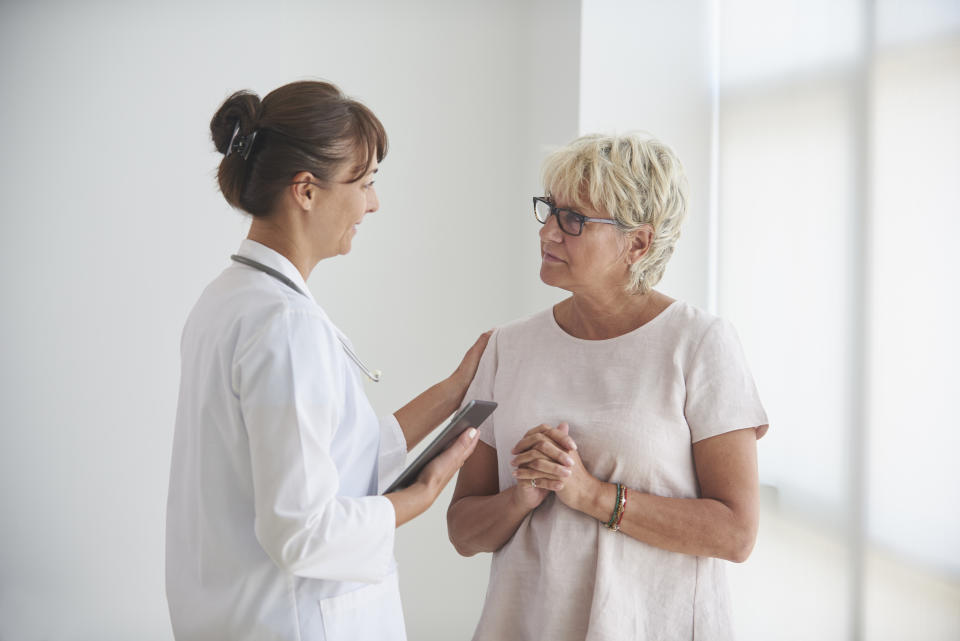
(577, 487)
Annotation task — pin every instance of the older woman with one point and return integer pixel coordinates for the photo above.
(619, 470)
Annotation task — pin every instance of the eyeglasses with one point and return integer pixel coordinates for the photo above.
(570, 222)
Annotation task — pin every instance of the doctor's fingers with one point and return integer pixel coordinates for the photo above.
(441, 469)
(479, 345)
(471, 360)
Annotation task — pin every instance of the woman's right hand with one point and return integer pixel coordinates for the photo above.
(541, 463)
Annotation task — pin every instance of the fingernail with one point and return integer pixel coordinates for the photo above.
(567, 472)
(568, 460)
(515, 472)
(472, 432)
(560, 486)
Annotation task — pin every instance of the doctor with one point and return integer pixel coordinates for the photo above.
(275, 526)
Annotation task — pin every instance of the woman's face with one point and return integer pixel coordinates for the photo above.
(593, 261)
(340, 208)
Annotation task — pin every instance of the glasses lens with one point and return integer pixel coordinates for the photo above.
(569, 222)
(541, 210)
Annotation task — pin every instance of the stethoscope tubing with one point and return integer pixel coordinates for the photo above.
(373, 375)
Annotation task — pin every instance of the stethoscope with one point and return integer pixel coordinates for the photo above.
(373, 375)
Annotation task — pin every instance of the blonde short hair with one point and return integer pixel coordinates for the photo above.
(633, 178)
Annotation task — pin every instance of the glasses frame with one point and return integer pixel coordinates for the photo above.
(580, 218)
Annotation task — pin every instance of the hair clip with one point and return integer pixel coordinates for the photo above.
(241, 144)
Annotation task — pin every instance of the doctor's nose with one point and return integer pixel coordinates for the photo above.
(373, 201)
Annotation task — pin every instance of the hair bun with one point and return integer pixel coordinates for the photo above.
(242, 107)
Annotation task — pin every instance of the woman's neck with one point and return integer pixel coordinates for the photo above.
(608, 315)
(278, 237)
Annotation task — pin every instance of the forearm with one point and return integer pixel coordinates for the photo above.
(412, 501)
(421, 415)
(484, 523)
(700, 527)
(418, 417)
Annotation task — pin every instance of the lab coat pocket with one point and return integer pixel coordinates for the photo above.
(373, 612)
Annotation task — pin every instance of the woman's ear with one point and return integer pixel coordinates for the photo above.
(638, 243)
(303, 188)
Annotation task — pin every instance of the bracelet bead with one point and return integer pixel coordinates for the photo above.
(614, 522)
(623, 509)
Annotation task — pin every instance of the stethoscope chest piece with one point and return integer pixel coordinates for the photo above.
(373, 374)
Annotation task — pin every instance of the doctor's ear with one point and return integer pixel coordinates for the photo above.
(304, 188)
(638, 243)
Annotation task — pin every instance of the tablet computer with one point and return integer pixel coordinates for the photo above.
(470, 415)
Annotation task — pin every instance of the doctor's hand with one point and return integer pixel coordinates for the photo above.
(542, 463)
(460, 380)
(421, 415)
(414, 500)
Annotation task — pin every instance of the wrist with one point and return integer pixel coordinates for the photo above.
(422, 495)
(452, 390)
(426, 491)
(516, 501)
(596, 500)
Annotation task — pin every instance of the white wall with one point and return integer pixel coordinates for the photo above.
(112, 226)
(647, 66)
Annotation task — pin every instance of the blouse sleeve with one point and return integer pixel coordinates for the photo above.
(291, 393)
(721, 394)
(482, 388)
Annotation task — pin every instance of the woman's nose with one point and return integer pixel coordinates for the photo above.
(551, 230)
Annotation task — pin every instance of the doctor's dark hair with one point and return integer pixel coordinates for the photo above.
(303, 126)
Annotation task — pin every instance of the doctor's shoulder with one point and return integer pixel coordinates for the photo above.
(278, 323)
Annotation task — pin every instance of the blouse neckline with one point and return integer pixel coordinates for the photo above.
(656, 320)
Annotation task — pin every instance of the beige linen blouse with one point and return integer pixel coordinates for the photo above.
(635, 404)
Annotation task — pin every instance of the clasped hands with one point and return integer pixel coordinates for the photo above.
(546, 460)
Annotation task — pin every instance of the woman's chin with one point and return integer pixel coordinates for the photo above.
(548, 276)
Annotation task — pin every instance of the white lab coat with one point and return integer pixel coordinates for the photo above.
(275, 529)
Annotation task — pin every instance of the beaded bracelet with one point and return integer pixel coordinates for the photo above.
(623, 509)
(614, 522)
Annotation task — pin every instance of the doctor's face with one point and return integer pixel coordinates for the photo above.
(341, 207)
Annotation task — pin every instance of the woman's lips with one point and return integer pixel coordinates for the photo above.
(550, 258)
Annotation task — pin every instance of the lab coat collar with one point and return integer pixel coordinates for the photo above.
(262, 254)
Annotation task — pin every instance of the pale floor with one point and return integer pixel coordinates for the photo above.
(795, 586)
